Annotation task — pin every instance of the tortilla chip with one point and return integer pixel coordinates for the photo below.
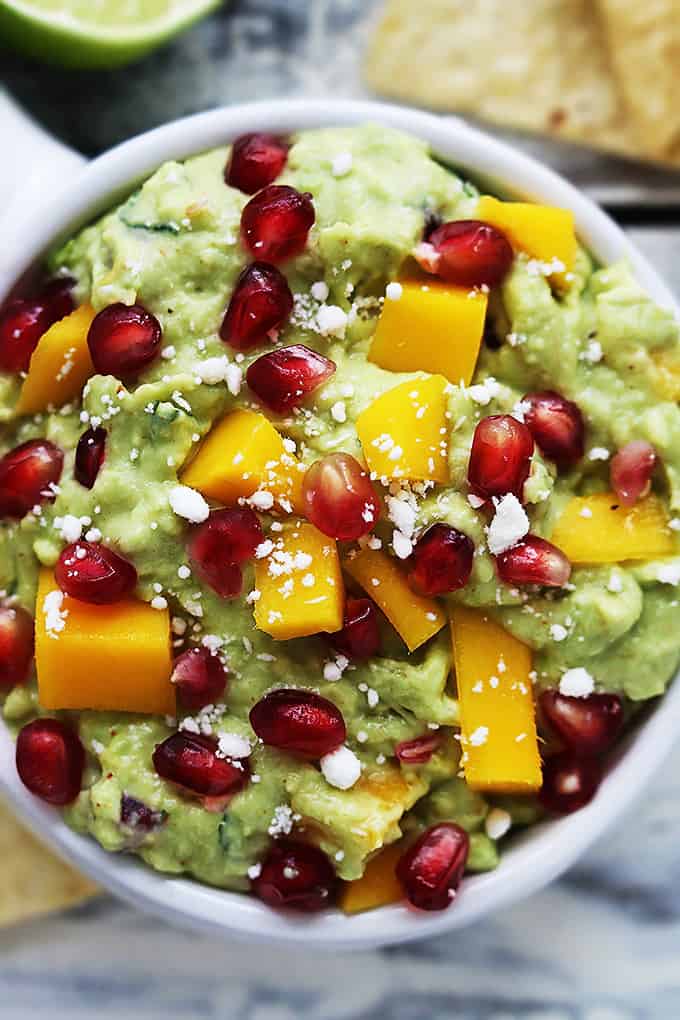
(32, 880)
(644, 48)
(542, 65)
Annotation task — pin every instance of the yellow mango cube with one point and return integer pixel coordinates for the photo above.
(544, 232)
(300, 585)
(498, 726)
(415, 619)
(113, 658)
(433, 327)
(600, 529)
(60, 365)
(242, 453)
(404, 432)
(378, 886)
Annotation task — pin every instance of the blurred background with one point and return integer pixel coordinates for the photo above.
(589, 87)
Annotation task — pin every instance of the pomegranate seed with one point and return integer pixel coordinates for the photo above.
(630, 471)
(191, 761)
(500, 457)
(296, 876)
(23, 322)
(92, 573)
(124, 340)
(587, 725)
(136, 815)
(27, 475)
(256, 160)
(360, 634)
(285, 377)
(219, 545)
(261, 302)
(534, 561)
(431, 870)
(569, 782)
(557, 426)
(16, 646)
(471, 253)
(339, 497)
(276, 222)
(298, 721)
(90, 453)
(50, 760)
(441, 561)
(200, 678)
(419, 750)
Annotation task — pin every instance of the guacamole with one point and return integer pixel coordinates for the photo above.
(177, 249)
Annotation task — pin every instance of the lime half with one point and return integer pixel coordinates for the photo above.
(94, 33)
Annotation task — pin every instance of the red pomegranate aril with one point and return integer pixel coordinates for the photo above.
(218, 546)
(296, 876)
(569, 782)
(191, 760)
(360, 634)
(631, 469)
(93, 573)
(500, 458)
(284, 378)
(534, 561)
(471, 253)
(339, 497)
(16, 646)
(431, 870)
(138, 816)
(298, 721)
(256, 160)
(200, 678)
(90, 453)
(24, 320)
(418, 751)
(124, 340)
(50, 760)
(28, 475)
(589, 726)
(261, 303)
(557, 427)
(441, 561)
(276, 222)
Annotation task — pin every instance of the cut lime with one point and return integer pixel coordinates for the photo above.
(94, 33)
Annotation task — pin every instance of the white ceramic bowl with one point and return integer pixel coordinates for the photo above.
(534, 857)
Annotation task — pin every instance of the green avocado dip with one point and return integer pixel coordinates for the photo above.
(603, 638)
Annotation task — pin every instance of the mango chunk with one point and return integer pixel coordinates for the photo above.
(300, 585)
(242, 453)
(109, 658)
(404, 432)
(433, 327)
(544, 232)
(60, 365)
(378, 885)
(416, 619)
(599, 529)
(498, 726)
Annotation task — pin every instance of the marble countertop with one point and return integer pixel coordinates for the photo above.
(601, 944)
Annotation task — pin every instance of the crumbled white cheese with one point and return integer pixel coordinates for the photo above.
(262, 500)
(213, 370)
(158, 602)
(341, 768)
(55, 616)
(188, 503)
(331, 320)
(483, 393)
(183, 572)
(598, 453)
(402, 512)
(577, 683)
(282, 822)
(341, 164)
(558, 632)
(231, 745)
(509, 524)
(592, 353)
(264, 549)
(520, 410)
(234, 379)
(320, 290)
(403, 546)
(339, 411)
(479, 736)
(497, 823)
(393, 291)
(70, 527)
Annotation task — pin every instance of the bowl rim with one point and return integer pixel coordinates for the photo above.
(538, 855)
